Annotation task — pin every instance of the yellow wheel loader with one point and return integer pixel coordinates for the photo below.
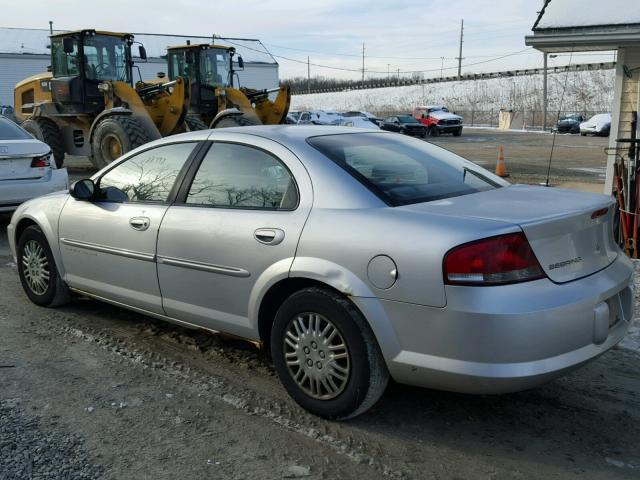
(214, 101)
(88, 103)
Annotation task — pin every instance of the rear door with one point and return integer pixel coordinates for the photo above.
(108, 245)
(237, 226)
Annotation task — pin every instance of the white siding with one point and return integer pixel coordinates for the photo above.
(14, 68)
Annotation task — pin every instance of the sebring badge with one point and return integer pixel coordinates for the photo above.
(566, 263)
(4, 149)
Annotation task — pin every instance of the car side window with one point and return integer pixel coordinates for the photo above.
(148, 176)
(239, 176)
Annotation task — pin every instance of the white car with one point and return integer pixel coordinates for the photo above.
(599, 124)
(359, 122)
(27, 169)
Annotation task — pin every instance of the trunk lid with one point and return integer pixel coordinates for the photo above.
(16, 157)
(569, 239)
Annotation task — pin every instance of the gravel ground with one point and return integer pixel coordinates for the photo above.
(31, 451)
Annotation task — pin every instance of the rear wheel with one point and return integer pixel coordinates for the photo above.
(235, 121)
(326, 355)
(46, 130)
(37, 270)
(114, 136)
(195, 123)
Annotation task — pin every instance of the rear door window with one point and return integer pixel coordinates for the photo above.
(239, 176)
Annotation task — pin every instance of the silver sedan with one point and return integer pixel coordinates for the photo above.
(353, 256)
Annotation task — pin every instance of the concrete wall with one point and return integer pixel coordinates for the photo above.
(626, 99)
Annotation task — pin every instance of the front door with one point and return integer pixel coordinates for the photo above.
(108, 245)
(242, 215)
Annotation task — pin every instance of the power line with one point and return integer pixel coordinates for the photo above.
(358, 70)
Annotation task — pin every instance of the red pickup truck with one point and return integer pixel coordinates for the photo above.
(438, 120)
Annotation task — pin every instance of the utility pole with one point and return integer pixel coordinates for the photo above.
(50, 27)
(388, 71)
(544, 94)
(362, 62)
(460, 51)
(308, 76)
(398, 74)
(441, 66)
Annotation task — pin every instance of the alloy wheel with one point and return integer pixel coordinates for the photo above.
(35, 267)
(317, 356)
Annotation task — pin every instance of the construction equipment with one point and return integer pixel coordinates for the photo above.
(88, 103)
(215, 102)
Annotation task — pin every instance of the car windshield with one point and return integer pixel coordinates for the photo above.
(407, 119)
(11, 131)
(402, 171)
(214, 67)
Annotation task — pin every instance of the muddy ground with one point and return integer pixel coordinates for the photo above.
(92, 391)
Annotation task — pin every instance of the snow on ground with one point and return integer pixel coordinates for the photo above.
(585, 91)
(632, 340)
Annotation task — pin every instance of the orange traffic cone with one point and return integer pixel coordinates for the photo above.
(501, 167)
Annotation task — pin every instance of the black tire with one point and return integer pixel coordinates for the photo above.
(234, 121)
(582, 134)
(46, 130)
(195, 123)
(367, 375)
(56, 292)
(114, 136)
(424, 133)
(402, 131)
(433, 131)
(457, 133)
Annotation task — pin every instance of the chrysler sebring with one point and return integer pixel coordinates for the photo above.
(352, 256)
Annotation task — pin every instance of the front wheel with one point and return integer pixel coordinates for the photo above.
(326, 355)
(457, 133)
(38, 271)
(114, 136)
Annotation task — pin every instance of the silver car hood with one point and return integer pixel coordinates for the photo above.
(558, 223)
(440, 115)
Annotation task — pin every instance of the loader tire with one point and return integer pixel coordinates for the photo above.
(114, 136)
(194, 123)
(48, 132)
(235, 121)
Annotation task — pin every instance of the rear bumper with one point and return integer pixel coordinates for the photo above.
(504, 339)
(15, 192)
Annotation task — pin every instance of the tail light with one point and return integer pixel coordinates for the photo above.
(492, 261)
(41, 161)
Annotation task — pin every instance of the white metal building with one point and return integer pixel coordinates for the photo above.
(24, 52)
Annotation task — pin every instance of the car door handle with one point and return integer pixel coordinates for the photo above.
(269, 236)
(140, 223)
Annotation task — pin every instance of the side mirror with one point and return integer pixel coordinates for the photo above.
(82, 189)
(142, 52)
(67, 45)
(240, 62)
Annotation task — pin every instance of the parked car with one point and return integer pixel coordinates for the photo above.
(27, 169)
(319, 117)
(599, 124)
(353, 256)
(438, 120)
(569, 123)
(8, 112)
(292, 118)
(366, 115)
(404, 124)
(359, 122)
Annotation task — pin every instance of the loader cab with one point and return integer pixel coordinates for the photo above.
(82, 60)
(207, 67)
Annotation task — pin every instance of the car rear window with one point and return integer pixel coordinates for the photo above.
(11, 131)
(401, 170)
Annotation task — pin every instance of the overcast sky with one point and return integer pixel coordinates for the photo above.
(410, 35)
